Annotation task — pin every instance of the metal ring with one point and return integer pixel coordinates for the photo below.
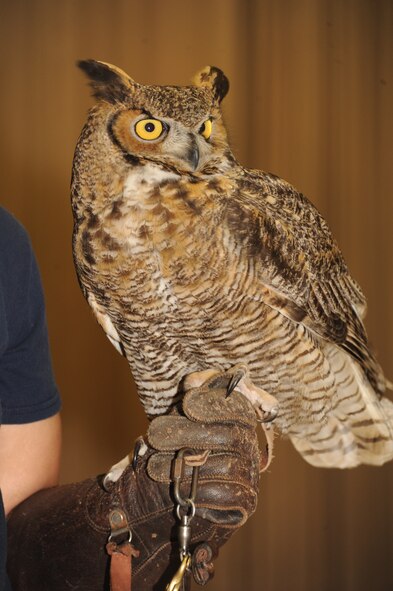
(190, 503)
(112, 536)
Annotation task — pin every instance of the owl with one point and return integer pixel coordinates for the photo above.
(190, 261)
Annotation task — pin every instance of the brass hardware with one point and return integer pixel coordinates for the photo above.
(175, 584)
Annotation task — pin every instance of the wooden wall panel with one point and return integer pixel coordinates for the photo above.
(311, 99)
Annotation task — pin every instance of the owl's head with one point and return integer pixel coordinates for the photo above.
(179, 128)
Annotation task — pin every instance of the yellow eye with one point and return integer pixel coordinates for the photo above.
(149, 129)
(206, 129)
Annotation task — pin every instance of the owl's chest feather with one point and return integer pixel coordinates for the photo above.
(159, 246)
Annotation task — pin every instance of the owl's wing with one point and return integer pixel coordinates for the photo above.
(302, 271)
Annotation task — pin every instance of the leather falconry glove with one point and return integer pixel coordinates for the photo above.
(58, 537)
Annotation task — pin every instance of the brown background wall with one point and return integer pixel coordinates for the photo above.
(311, 99)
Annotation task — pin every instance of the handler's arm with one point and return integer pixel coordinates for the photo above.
(29, 459)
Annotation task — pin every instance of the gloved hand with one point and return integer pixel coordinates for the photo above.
(58, 537)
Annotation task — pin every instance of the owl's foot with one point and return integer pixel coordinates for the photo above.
(197, 378)
(265, 405)
(117, 469)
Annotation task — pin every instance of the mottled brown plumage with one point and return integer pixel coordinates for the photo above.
(191, 261)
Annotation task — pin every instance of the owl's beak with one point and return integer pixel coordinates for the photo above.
(193, 157)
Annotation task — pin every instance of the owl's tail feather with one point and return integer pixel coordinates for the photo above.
(356, 432)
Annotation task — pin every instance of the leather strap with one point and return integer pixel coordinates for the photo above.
(121, 565)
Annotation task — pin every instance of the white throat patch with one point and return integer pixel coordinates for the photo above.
(143, 178)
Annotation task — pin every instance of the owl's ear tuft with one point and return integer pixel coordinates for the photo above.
(109, 83)
(215, 79)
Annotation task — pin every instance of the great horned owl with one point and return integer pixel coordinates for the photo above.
(191, 261)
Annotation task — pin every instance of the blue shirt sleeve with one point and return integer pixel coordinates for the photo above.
(27, 387)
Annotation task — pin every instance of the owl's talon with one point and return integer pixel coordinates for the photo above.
(265, 405)
(238, 372)
(235, 379)
(267, 417)
(140, 449)
(115, 472)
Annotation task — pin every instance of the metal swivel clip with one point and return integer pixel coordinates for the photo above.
(185, 511)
